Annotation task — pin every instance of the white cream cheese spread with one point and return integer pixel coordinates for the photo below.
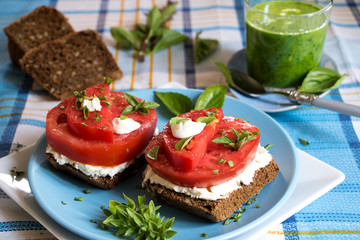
(123, 126)
(187, 128)
(223, 190)
(89, 170)
(92, 105)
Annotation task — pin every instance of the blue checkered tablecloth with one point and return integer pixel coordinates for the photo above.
(334, 137)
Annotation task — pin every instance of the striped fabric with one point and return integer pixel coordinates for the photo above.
(333, 137)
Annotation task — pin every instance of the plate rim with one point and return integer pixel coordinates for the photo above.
(228, 235)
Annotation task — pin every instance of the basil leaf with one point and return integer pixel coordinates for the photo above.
(223, 140)
(131, 99)
(154, 18)
(212, 97)
(169, 37)
(177, 120)
(124, 37)
(151, 105)
(182, 143)
(153, 152)
(225, 71)
(204, 47)
(321, 79)
(128, 109)
(167, 12)
(175, 102)
(206, 120)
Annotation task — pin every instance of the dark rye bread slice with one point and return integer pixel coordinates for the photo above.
(72, 63)
(101, 182)
(41, 25)
(214, 210)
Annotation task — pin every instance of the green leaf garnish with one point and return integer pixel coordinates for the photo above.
(177, 103)
(240, 139)
(321, 79)
(15, 174)
(153, 152)
(178, 120)
(86, 191)
(182, 143)
(63, 203)
(79, 199)
(152, 36)
(204, 47)
(267, 146)
(304, 141)
(216, 172)
(206, 120)
(138, 219)
(212, 97)
(135, 105)
(221, 160)
(204, 234)
(123, 117)
(230, 163)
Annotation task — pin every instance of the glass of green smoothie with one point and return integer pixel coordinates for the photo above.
(284, 39)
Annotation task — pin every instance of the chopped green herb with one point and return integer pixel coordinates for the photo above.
(216, 172)
(61, 107)
(226, 222)
(152, 153)
(123, 117)
(221, 160)
(230, 163)
(304, 141)
(15, 174)
(257, 206)
(182, 143)
(86, 191)
(104, 127)
(107, 103)
(268, 146)
(79, 198)
(135, 105)
(63, 203)
(93, 221)
(83, 124)
(138, 219)
(204, 234)
(107, 81)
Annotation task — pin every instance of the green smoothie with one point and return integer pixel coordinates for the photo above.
(282, 49)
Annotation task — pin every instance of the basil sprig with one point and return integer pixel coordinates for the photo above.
(177, 103)
(240, 139)
(135, 105)
(321, 79)
(138, 219)
(204, 47)
(152, 36)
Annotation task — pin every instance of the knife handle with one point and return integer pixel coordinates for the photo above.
(337, 106)
(314, 100)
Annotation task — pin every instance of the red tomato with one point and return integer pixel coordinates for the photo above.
(219, 164)
(98, 125)
(189, 157)
(99, 152)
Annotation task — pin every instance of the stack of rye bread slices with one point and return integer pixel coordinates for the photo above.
(45, 46)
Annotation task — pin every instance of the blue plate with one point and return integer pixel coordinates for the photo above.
(51, 188)
(270, 102)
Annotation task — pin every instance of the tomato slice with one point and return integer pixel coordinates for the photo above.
(97, 125)
(188, 158)
(99, 152)
(219, 164)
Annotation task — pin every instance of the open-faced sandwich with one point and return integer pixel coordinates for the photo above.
(207, 164)
(99, 135)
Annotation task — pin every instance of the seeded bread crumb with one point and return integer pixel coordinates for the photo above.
(214, 210)
(101, 182)
(41, 25)
(72, 63)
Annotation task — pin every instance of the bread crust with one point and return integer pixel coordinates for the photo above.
(101, 182)
(215, 210)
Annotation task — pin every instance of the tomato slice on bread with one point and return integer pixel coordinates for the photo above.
(78, 145)
(188, 158)
(232, 148)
